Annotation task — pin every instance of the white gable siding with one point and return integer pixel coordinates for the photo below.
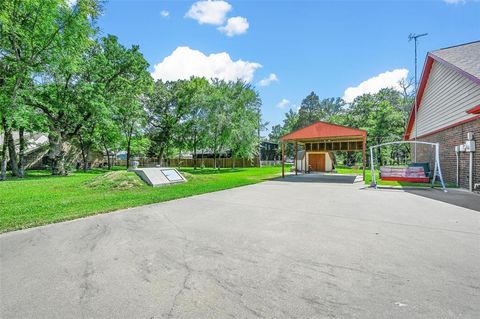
(447, 97)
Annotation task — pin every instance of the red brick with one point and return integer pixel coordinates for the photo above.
(448, 139)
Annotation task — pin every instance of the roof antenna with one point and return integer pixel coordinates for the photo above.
(413, 36)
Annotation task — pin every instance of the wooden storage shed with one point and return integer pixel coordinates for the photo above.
(321, 161)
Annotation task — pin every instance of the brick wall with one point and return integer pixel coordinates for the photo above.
(448, 139)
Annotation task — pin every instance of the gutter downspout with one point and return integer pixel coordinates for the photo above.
(470, 174)
(457, 155)
(470, 147)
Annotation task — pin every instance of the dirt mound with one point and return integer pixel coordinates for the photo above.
(118, 180)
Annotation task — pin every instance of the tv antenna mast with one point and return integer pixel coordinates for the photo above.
(415, 37)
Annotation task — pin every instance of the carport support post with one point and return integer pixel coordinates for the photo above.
(283, 159)
(364, 156)
(372, 167)
(305, 154)
(296, 156)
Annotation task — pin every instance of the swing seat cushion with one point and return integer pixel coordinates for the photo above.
(426, 167)
(404, 174)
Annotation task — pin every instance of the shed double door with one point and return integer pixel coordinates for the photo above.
(316, 162)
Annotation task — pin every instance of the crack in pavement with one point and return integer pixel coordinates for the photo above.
(188, 270)
(87, 288)
(93, 235)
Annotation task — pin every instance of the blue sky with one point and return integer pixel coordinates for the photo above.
(324, 46)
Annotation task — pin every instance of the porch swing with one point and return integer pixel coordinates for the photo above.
(414, 172)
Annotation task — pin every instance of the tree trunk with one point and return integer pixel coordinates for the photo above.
(3, 173)
(194, 153)
(3, 169)
(57, 155)
(109, 162)
(160, 156)
(84, 160)
(129, 144)
(13, 154)
(128, 153)
(83, 151)
(21, 153)
(215, 150)
(215, 154)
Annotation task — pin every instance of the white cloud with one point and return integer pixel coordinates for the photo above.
(283, 103)
(164, 13)
(209, 12)
(185, 62)
(71, 3)
(454, 1)
(389, 79)
(268, 80)
(234, 26)
(215, 12)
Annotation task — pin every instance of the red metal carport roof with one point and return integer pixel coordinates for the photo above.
(323, 130)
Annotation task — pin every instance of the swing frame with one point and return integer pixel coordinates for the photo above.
(436, 172)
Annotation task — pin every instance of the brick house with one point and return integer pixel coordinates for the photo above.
(448, 107)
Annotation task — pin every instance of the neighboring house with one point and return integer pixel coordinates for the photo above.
(122, 155)
(208, 153)
(448, 107)
(32, 140)
(36, 153)
(269, 151)
(36, 147)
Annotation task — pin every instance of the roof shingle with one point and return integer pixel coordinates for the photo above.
(465, 57)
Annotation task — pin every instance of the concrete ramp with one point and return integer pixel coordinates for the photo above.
(160, 176)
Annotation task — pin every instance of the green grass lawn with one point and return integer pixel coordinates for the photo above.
(42, 199)
(368, 178)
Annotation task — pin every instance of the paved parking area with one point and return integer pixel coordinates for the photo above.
(278, 249)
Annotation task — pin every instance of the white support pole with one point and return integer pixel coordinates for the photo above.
(372, 168)
(434, 173)
(437, 167)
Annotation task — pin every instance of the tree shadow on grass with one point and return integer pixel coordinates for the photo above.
(46, 174)
(36, 175)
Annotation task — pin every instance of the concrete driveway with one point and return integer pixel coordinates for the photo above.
(272, 250)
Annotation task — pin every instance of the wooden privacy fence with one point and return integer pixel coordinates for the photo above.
(189, 162)
(209, 162)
